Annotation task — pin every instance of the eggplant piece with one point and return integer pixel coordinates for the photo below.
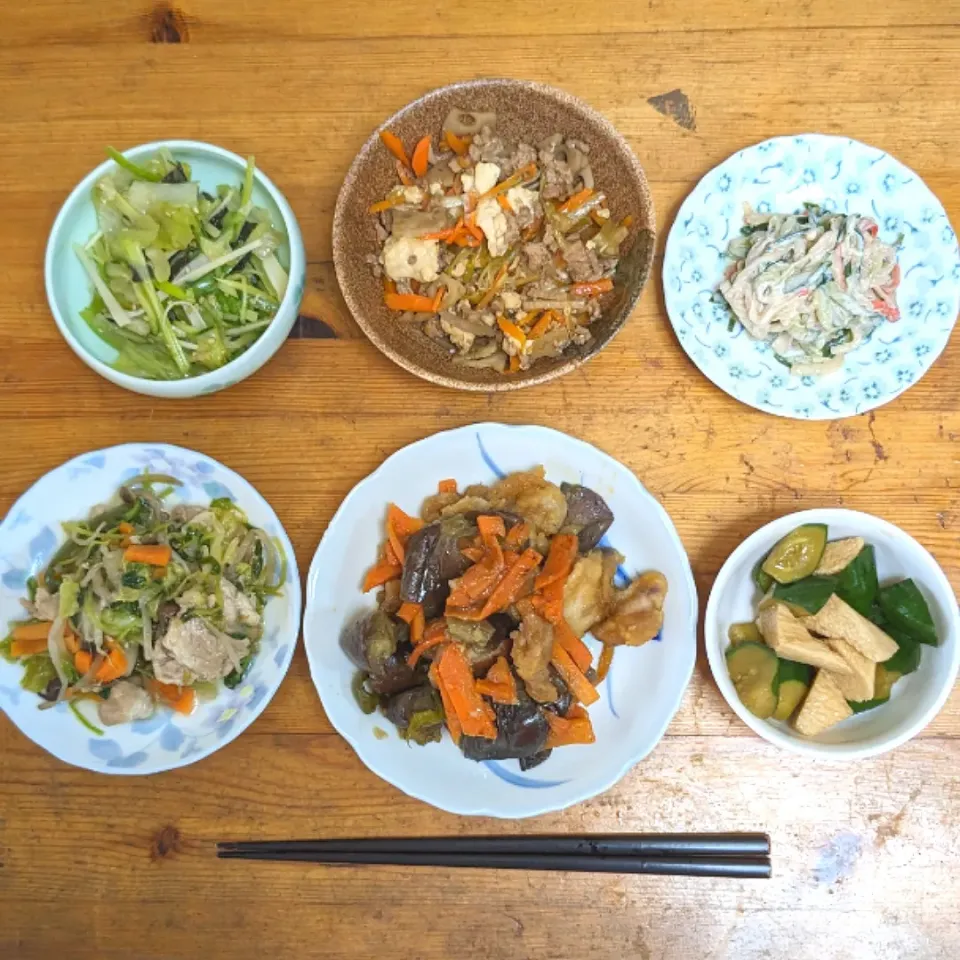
(417, 713)
(432, 560)
(587, 515)
(372, 639)
(522, 731)
(528, 763)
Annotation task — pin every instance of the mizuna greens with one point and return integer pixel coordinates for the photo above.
(147, 604)
(184, 280)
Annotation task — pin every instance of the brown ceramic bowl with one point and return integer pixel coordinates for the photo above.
(525, 111)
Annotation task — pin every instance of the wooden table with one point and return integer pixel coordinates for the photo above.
(867, 856)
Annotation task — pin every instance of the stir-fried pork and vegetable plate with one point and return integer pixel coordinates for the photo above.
(162, 604)
(184, 279)
(508, 596)
(502, 249)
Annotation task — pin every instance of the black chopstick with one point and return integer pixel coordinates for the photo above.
(743, 868)
(630, 845)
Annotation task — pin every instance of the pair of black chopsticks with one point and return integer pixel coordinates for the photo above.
(738, 855)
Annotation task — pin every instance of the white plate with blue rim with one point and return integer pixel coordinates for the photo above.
(640, 694)
(31, 533)
(843, 175)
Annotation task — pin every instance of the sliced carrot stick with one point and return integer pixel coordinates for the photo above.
(542, 325)
(31, 631)
(560, 560)
(427, 644)
(472, 553)
(593, 289)
(510, 588)
(475, 716)
(157, 555)
(83, 661)
(578, 650)
(566, 731)
(524, 173)
(517, 535)
(125, 528)
(420, 160)
(459, 145)
(28, 648)
(579, 685)
(577, 200)
(490, 526)
(380, 574)
(71, 641)
(114, 665)
(410, 303)
(395, 145)
(449, 714)
(603, 664)
(513, 366)
(447, 486)
(499, 684)
(412, 613)
(399, 528)
(510, 329)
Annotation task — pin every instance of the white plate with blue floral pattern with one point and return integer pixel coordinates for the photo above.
(640, 694)
(840, 174)
(30, 534)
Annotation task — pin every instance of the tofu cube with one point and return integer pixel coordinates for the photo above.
(837, 555)
(838, 619)
(860, 684)
(791, 640)
(824, 707)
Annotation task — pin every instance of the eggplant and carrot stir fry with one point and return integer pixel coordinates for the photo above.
(484, 600)
(502, 250)
(184, 280)
(147, 604)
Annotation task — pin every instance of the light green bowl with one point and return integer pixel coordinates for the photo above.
(69, 289)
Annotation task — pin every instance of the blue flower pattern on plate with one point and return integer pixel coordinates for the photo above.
(847, 176)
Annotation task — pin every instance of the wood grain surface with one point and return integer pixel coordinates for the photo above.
(867, 857)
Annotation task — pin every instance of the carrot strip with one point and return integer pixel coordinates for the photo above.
(542, 325)
(472, 553)
(125, 528)
(399, 527)
(420, 160)
(578, 199)
(459, 145)
(182, 699)
(32, 631)
(412, 613)
(579, 685)
(157, 555)
(394, 200)
(603, 664)
(517, 535)
(504, 203)
(509, 588)
(524, 173)
(447, 486)
(513, 365)
(83, 661)
(499, 684)
(566, 731)
(379, 574)
(560, 560)
(449, 714)
(426, 644)
(404, 176)
(410, 302)
(28, 648)
(114, 665)
(510, 329)
(593, 289)
(578, 650)
(71, 641)
(490, 526)
(476, 717)
(487, 298)
(395, 145)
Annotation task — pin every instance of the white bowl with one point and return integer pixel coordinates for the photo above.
(640, 694)
(69, 290)
(916, 698)
(30, 534)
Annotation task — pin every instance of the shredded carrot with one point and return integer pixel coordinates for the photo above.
(410, 302)
(114, 665)
(156, 554)
(394, 200)
(438, 298)
(83, 661)
(426, 644)
(476, 717)
(449, 714)
(412, 613)
(31, 631)
(499, 685)
(447, 486)
(593, 289)
(542, 325)
(399, 528)
(560, 560)
(395, 145)
(524, 173)
(513, 365)
(517, 535)
(28, 648)
(125, 528)
(420, 160)
(490, 526)
(487, 298)
(567, 731)
(459, 145)
(504, 203)
(577, 200)
(510, 588)
(381, 573)
(549, 601)
(603, 664)
(510, 329)
(578, 650)
(572, 676)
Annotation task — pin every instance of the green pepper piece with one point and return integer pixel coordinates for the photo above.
(796, 556)
(367, 701)
(904, 607)
(809, 594)
(857, 583)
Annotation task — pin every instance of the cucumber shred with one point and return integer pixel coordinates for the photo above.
(753, 670)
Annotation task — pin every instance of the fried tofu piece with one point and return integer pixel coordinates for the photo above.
(838, 619)
(791, 640)
(824, 707)
(860, 684)
(837, 555)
